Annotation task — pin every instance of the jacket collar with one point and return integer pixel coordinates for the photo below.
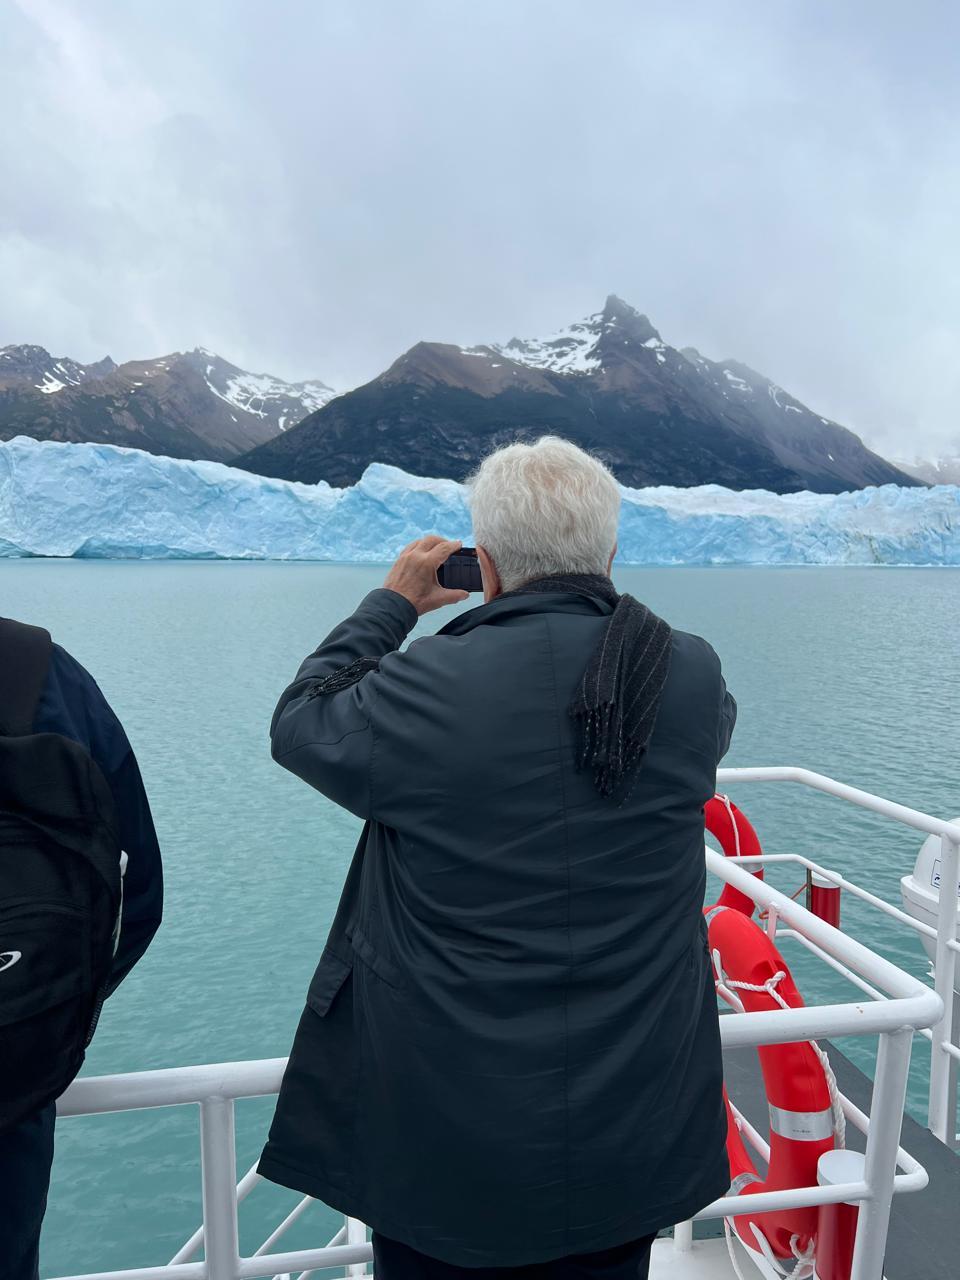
(517, 606)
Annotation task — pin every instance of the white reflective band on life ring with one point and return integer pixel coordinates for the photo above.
(742, 1180)
(802, 1126)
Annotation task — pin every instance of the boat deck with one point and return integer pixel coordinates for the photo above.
(706, 1260)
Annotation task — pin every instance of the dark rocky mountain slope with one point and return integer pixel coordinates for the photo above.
(656, 414)
(186, 405)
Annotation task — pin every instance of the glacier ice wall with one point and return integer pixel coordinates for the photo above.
(99, 501)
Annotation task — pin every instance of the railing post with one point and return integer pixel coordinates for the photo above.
(218, 1171)
(953, 1085)
(683, 1236)
(356, 1234)
(880, 1162)
(823, 898)
(942, 1112)
(837, 1223)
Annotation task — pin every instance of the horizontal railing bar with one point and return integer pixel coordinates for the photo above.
(837, 967)
(852, 953)
(914, 1176)
(843, 971)
(841, 882)
(263, 1265)
(864, 799)
(269, 1264)
(913, 1171)
(912, 1004)
(171, 1086)
(887, 908)
(786, 1026)
(182, 1271)
(793, 1198)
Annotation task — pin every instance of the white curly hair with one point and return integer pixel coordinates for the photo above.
(544, 508)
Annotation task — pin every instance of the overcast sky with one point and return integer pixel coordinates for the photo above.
(309, 187)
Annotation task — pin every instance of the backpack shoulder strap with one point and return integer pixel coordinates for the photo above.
(24, 661)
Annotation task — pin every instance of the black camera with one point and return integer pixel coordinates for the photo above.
(461, 571)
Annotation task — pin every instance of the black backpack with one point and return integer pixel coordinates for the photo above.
(60, 888)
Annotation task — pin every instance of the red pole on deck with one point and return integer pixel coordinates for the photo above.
(837, 1223)
(823, 898)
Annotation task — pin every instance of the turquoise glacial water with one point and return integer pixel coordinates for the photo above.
(853, 672)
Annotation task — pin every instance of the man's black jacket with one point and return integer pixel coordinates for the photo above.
(510, 1050)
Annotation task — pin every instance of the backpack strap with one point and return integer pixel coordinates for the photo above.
(24, 661)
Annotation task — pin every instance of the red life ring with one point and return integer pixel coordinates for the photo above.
(734, 832)
(803, 1122)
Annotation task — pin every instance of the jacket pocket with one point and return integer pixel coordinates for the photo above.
(375, 960)
(330, 975)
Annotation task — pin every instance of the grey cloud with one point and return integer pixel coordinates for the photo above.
(311, 187)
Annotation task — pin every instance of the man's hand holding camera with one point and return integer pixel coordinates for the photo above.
(414, 575)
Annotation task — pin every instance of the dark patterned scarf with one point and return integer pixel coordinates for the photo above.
(617, 701)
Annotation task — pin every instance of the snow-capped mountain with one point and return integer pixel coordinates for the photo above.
(942, 470)
(657, 414)
(585, 346)
(46, 373)
(280, 403)
(189, 404)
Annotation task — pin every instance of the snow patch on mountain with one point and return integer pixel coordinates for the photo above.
(578, 348)
(725, 377)
(259, 394)
(47, 373)
(62, 375)
(737, 383)
(571, 350)
(100, 501)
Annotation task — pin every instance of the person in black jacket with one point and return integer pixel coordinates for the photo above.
(509, 1062)
(72, 705)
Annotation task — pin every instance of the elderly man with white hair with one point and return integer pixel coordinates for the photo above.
(509, 1061)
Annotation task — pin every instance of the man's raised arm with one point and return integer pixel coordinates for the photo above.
(321, 729)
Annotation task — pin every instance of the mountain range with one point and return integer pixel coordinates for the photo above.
(942, 470)
(191, 404)
(658, 415)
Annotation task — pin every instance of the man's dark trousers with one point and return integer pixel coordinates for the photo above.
(26, 1154)
(394, 1261)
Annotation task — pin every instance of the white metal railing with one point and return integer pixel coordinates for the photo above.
(945, 1051)
(899, 1005)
